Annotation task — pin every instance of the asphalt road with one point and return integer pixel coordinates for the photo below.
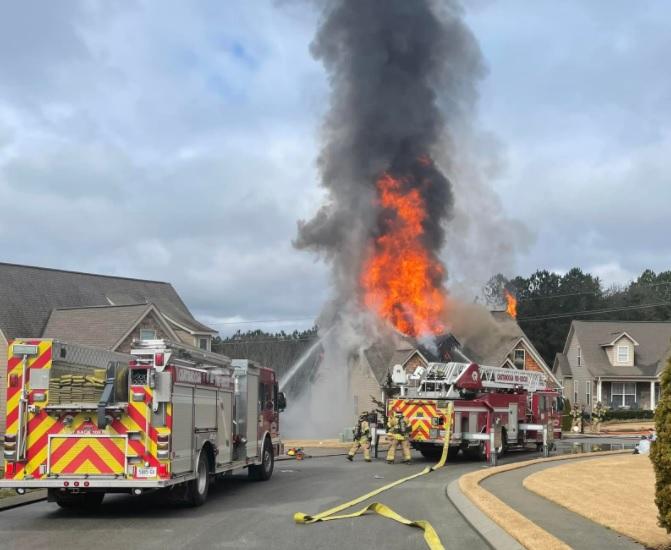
(246, 515)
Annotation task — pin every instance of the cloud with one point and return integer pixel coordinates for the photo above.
(178, 141)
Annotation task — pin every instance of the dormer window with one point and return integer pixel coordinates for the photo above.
(519, 358)
(623, 354)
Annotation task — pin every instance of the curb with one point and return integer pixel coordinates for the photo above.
(22, 500)
(495, 509)
(496, 537)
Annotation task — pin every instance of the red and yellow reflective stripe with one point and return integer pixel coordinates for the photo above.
(92, 455)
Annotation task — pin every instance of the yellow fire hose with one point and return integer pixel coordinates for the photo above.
(430, 536)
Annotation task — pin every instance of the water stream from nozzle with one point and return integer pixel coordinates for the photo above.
(298, 365)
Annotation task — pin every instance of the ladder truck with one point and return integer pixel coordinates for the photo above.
(83, 422)
(517, 405)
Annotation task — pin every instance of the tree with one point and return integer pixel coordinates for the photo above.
(277, 350)
(660, 453)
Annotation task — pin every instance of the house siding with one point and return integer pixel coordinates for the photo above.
(414, 362)
(611, 352)
(3, 382)
(529, 362)
(150, 322)
(363, 384)
(580, 374)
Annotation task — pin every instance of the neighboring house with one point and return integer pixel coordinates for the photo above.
(92, 310)
(509, 348)
(615, 362)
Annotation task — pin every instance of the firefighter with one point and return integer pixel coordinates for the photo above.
(399, 431)
(362, 438)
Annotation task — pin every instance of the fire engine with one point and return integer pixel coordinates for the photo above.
(518, 401)
(83, 422)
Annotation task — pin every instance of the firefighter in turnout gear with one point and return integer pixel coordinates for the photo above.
(362, 438)
(399, 431)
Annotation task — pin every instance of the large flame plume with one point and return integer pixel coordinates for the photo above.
(511, 304)
(402, 280)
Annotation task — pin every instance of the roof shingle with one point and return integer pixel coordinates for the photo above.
(29, 294)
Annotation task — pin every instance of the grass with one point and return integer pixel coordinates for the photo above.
(521, 528)
(617, 492)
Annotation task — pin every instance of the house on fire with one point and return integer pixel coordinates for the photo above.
(615, 362)
(511, 349)
(92, 310)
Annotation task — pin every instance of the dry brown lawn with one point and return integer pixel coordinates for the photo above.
(618, 492)
(631, 426)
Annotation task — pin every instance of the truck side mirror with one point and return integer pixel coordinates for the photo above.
(281, 401)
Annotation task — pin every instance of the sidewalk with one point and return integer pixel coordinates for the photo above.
(575, 530)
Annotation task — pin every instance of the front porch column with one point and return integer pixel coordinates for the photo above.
(652, 395)
(598, 391)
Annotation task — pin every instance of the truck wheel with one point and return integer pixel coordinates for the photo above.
(264, 471)
(199, 486)
(476, 453)
(431, 452)
(80, 500)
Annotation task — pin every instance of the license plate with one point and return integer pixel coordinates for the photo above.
(145, 472)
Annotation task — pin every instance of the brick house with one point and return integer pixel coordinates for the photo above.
(616, 362)
(92, 310)
(510, 348)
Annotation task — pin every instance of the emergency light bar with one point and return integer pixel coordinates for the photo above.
(20, 350)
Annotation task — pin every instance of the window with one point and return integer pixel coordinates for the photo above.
(519, 358)
(579, 357)
(203, 343)
(147, 334)
(623, 394)
(588, 393)
(575, 391)
(623, 354)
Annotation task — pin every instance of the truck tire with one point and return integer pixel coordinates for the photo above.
(86, 501)
(197, 488)
(264, 471)
(431, 452)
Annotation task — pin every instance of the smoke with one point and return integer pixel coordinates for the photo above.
(389, 63)
(403, 74)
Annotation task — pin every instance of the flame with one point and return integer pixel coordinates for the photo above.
(511, 301)
(401, 280)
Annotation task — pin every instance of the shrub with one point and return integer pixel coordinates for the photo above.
(628, 414)
(660, 453)
(566, 416)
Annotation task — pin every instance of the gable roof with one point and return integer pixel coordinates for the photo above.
(561, 367)
(618, 338)
(29, 294)
(102, 327)
(379, 357)
(653, 338)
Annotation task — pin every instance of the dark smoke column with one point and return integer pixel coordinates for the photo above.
(390, 64)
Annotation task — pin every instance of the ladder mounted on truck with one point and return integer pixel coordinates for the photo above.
(448, 380)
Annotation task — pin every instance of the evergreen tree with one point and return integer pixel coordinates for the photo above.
(660, 453)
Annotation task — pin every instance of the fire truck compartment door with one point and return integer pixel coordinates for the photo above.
(182, 429)
(252, 415)
(206, 409)
(512, 422)
(224, 425)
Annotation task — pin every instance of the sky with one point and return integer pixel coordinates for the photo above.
(178, 141)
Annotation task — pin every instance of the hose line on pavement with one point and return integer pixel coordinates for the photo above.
(430, 536)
